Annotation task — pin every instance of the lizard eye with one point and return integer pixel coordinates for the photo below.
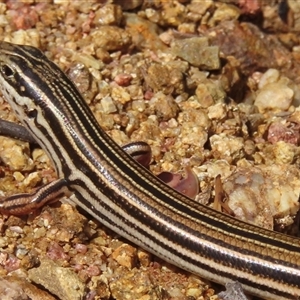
(32, 114)
(7, 71)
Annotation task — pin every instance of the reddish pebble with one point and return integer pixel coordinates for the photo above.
(148, 95)
(123, 79)
(55, 251)
(12, 264)
(93, 271)
(283, 132)
(81, 248)
(24, 17)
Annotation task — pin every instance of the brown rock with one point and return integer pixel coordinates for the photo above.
(125, 255)
(62, 282)
(16, 288)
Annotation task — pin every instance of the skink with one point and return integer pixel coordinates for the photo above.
(112, 187)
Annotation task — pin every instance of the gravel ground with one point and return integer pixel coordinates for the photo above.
(213, 85)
